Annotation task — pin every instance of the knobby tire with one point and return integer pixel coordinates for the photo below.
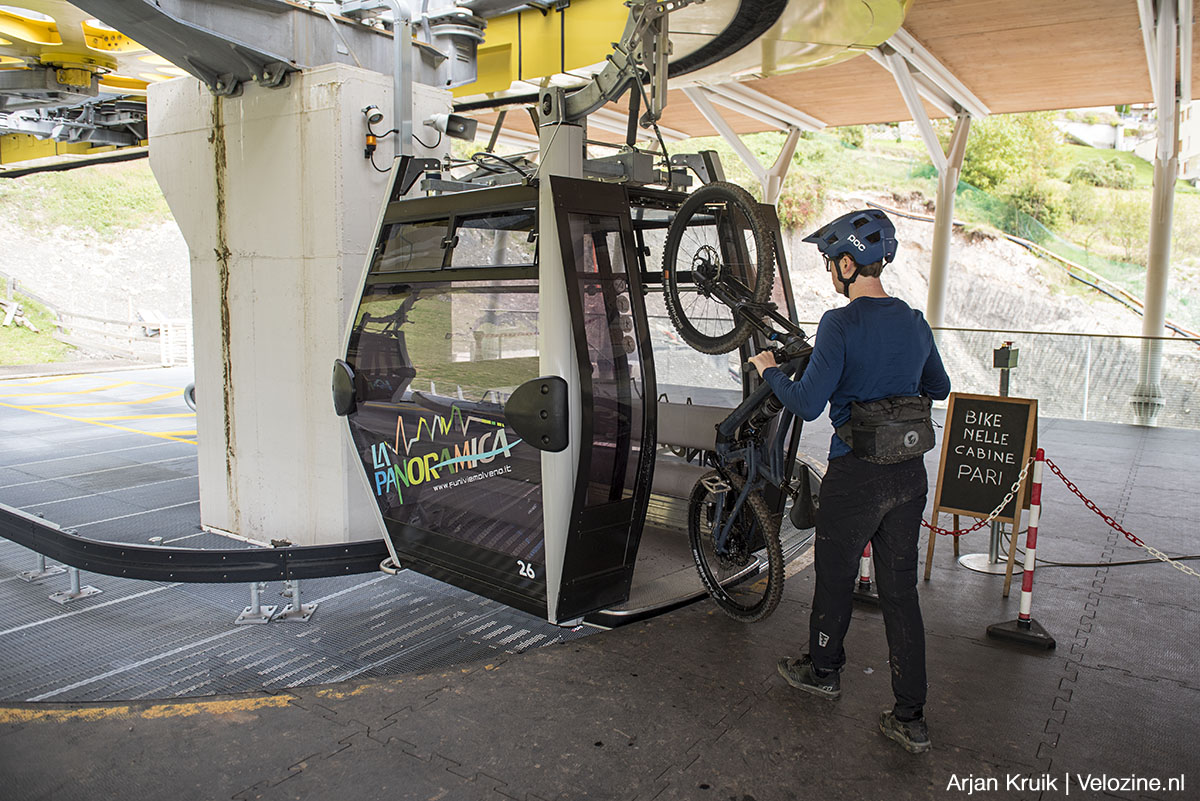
(738, 599)
(739, 208)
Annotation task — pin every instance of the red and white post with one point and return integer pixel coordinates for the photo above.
(1025, 629)
(863, 591)
(1035, 514)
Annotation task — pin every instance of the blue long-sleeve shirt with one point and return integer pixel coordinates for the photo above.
(871, 348)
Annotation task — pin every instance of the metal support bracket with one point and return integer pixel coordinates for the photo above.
(296, 611)
(42, 571)
(256, 613)
(75, 592)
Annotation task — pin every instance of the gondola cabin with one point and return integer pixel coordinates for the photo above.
(548, 471)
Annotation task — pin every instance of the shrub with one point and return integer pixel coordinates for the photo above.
(801, 201)
(1131, 225)
(1039, 201)
(1112, 173)
(1082, 205)
(853, 135)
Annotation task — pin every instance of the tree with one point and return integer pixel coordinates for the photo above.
(1005, 146)
(1131, 225)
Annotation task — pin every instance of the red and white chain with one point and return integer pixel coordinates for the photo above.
(1157, 554)
(994, 513)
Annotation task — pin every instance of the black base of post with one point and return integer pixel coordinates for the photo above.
(864, 593)
(1030, 633)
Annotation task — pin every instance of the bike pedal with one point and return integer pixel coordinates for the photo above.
(715, 485)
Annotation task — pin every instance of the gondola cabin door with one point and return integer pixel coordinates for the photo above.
(617, 394)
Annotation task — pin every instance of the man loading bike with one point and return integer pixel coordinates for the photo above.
(876, 365)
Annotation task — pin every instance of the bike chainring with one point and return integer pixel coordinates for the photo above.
(738, 553)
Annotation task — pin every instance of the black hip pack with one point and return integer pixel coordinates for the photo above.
(889, 430)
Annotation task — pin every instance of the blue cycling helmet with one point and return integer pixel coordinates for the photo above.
(867, 235)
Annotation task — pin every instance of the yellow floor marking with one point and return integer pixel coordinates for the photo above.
(159, 435)
(66, 392)
(43, 381)
(176, 387)
(175, 394)
(140, 416)
(179, 433)
(38, 714)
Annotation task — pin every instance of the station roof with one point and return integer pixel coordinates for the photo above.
(1014, 56)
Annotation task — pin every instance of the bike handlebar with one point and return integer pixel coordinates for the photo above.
(728, 428)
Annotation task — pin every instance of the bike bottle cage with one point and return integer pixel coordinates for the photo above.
(889, 430)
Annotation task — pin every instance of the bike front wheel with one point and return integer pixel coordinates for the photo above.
(718, 250)
(745, 575)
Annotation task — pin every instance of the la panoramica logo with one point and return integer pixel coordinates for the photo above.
(395, 471)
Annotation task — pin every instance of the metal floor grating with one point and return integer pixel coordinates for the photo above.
(139, 639)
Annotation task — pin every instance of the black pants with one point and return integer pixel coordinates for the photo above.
(863, 502)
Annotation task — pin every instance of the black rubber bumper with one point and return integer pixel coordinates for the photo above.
(191, 565)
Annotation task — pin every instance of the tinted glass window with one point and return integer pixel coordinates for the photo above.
(435, 363)
(616, 376)
(411, 246)
(497, 239)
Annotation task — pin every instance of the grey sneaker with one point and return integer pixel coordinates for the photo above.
(801, 674)
(912, 734)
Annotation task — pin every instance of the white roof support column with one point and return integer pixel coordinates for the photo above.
(919, 75)
(770, 179)
(949, 166)
(943, 222)
(1185, 52)
(1148, 399)
(772, 182)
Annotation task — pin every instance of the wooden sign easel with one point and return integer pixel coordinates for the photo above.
(980, 434)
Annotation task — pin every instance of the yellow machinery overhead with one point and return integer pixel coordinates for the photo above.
(532, 45)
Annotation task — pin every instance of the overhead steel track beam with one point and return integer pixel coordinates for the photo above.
(752, 19)
(226, 44)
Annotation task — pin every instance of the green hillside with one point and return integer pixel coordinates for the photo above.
(1105, 228)
(106, 198)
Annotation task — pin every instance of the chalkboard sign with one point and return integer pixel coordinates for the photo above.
(986, 442)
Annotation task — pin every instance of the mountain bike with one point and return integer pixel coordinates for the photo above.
(718, 273)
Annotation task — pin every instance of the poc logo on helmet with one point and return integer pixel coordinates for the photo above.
(854, 241)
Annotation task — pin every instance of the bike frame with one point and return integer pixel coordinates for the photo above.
(764, 460)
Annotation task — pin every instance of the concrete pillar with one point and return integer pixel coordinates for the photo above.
(278, 207)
